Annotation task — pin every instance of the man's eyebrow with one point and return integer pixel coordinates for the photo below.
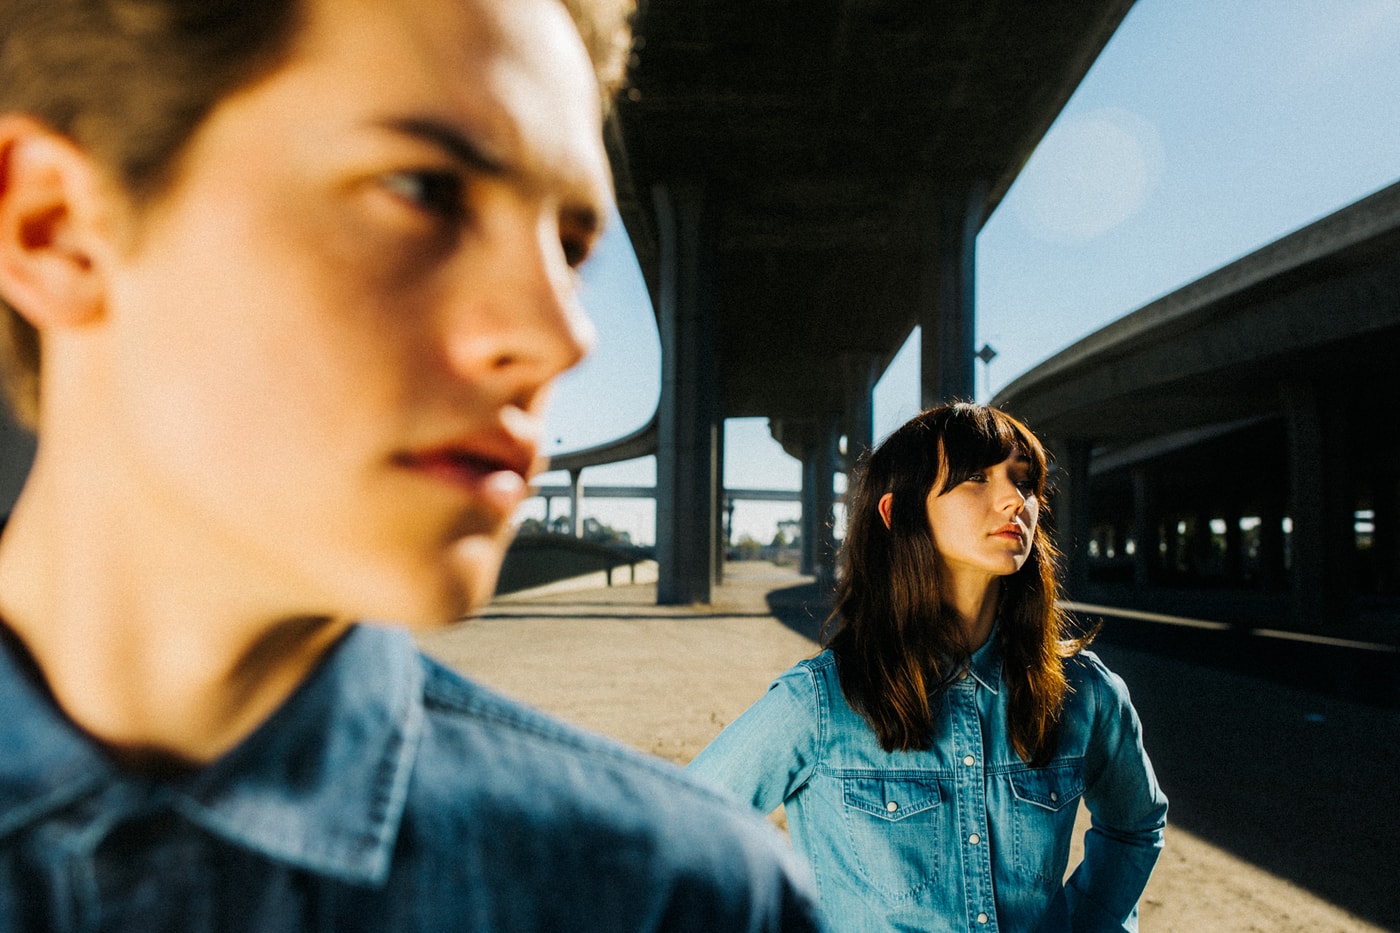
(586, 217)
(452, 141)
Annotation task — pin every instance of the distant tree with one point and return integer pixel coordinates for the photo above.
(746, 549)
(780, 539)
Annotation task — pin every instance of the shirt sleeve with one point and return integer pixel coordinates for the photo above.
(1127, 810)
(768, 753)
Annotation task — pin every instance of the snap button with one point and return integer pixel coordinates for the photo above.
(974, 839)
(891, 806)
(982, 918)
(969, 761)
(1054, 796)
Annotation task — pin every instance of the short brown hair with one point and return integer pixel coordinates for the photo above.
(131, 80)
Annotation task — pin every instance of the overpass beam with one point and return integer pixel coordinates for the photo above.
(688, 424)
(947, 294)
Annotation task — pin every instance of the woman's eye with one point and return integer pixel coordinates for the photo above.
(439, 193)
(977, 478)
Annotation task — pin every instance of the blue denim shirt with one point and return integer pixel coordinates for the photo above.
(964, 836)
(387, 794)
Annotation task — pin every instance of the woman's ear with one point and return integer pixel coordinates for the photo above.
(51, 205)
(885, 504)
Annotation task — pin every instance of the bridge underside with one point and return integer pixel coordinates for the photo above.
(803, 182)
(1236, 438)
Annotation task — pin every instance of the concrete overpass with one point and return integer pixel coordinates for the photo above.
(803, 182)
(1236, 440)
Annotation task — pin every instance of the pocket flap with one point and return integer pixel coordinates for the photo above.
(1051, 788)
(891, 798)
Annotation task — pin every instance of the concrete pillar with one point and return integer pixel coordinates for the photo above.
(1234, 545)
(687, 468)
(1385, 541)
(1319, 508)
(947, 294)
(723, 512)
(858, 423)
(818, 500)
(1144, 529)
(1072, 512)
(576, 503)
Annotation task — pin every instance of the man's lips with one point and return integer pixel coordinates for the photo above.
(498, 481)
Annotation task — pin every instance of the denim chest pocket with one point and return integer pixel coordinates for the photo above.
(1046, 803)
(895, 824)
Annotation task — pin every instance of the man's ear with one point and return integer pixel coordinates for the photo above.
(50, 225)
(885, 505)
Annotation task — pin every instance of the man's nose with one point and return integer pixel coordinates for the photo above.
(516, 322)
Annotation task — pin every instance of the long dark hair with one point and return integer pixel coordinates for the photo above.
(897, 645)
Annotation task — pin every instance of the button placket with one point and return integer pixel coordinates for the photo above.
(971, 789)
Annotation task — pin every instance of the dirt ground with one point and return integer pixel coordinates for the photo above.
(666, 680)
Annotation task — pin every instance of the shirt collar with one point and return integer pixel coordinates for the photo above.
(985, 664)
(321, 785)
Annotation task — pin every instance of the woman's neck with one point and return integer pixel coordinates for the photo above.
(974, 600)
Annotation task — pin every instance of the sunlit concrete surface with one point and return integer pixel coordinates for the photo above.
(1283, 816)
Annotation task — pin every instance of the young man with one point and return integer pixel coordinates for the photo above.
(288, 285)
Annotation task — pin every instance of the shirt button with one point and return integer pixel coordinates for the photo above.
(1054, 796)
(969, 761)
(891, 806)
(974, 839)
(982, 918)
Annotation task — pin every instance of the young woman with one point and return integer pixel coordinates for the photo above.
(933, 757)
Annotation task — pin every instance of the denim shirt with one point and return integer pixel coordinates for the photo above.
(963, 836)
(387, 794)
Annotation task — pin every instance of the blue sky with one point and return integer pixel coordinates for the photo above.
(1203, 131)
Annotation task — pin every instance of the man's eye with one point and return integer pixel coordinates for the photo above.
(439, 193)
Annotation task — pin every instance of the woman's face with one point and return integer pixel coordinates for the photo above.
(985, 525)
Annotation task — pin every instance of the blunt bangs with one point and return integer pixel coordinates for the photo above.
(974, 438)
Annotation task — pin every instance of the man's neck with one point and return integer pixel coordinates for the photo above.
(140, 639)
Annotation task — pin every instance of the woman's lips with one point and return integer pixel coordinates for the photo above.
(1010, 531)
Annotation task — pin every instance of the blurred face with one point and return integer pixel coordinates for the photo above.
(329, 346)
(985, 525)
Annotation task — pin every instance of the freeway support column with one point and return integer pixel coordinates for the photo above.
(687, 458)
(1072, 513)
(818, 498)
(576, 503)
(1320, 509)
(860, 374)
(947, 294)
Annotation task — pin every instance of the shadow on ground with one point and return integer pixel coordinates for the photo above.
(1298, 782)
(802, 608)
